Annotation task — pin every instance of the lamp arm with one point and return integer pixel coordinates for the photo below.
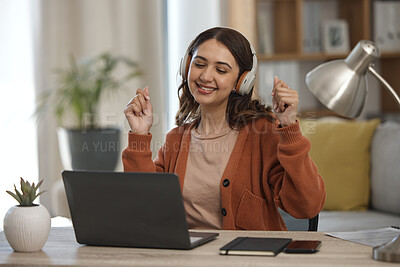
(386, 84)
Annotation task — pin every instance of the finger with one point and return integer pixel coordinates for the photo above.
(141, 102)
(144, 97)
(276, 81)
(279, 85)
(129, 110)
(287, 97)
(138, 91)
(279, 93)
(136, 109)
(285, 92)
(141, 92)
(146, 90)
(287, 102)
(285, 89)
(149, 107)
(130, 101)
(283, 84)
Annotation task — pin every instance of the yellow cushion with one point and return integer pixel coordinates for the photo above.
(341, 151)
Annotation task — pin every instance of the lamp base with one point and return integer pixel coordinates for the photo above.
(389, 251)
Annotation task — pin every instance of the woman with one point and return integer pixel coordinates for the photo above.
(237, 162)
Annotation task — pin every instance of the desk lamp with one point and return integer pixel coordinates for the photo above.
(341, 85)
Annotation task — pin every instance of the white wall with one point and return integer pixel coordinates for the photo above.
(18, 132)
(186, 19)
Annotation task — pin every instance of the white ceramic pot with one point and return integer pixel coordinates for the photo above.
(27, 227)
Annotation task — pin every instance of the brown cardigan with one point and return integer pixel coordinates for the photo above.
(269, 167)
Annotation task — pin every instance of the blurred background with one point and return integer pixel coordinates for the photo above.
(38, 37)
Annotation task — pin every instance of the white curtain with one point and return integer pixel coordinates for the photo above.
(17, 130)
(84, 28)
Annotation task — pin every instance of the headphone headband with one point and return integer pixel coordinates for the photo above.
(245, 82)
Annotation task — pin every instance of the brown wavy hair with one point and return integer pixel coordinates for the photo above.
(240, 110)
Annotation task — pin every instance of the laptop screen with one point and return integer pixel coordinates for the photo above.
(127, 209)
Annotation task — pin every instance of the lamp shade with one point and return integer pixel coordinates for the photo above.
(341, 85)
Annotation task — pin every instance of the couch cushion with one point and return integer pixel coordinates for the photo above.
(341, 151)
(385, 168)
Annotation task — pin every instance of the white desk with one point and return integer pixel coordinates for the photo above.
(62, 249)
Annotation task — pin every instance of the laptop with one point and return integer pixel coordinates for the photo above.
(128, 209)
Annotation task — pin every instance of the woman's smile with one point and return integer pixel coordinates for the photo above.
(203, 89)
(212, 74)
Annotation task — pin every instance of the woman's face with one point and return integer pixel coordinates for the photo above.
(213, 73)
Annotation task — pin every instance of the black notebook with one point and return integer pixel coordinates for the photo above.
(261, 246)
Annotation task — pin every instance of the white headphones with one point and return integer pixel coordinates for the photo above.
(246, 80)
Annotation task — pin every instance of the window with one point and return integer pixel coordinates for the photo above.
(18, 155)
(185, 20)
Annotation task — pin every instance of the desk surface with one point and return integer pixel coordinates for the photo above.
(62, 249)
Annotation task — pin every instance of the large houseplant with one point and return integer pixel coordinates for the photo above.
(27, 225)
(86, 145)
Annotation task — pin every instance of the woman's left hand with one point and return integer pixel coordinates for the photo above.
(285, 101)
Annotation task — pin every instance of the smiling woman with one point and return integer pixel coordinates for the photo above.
(216, 109)
(17, 102)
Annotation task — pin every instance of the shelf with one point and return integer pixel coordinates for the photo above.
(284, 26)
(317, 57)
(301, 57)
(390, 55)
(288, 18)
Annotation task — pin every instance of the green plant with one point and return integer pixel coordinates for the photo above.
(80, 87)
(28, 194)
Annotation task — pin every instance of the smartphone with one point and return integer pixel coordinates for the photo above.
(303, 246)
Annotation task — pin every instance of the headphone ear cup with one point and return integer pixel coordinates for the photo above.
(245, 82)
(240, 81)
(184, 66)
(248, 78)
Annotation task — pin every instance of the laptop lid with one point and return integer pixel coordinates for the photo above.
(129, 209)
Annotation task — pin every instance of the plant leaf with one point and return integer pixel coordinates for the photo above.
(31, 195)
(81, 86)
(14, 196)
(41, 192)
(24, 186)
(18, 193)
(39, 184)
(25, 199)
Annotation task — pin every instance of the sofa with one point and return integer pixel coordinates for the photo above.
(359, 161)
(360, 164)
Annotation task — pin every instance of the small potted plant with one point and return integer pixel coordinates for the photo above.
(27, 225)
(83, 143)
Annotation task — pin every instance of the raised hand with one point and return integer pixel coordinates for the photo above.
(285, 102)
(139, 112)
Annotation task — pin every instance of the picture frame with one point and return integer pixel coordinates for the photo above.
(335, 36)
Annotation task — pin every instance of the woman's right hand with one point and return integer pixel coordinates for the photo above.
(139, 112)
